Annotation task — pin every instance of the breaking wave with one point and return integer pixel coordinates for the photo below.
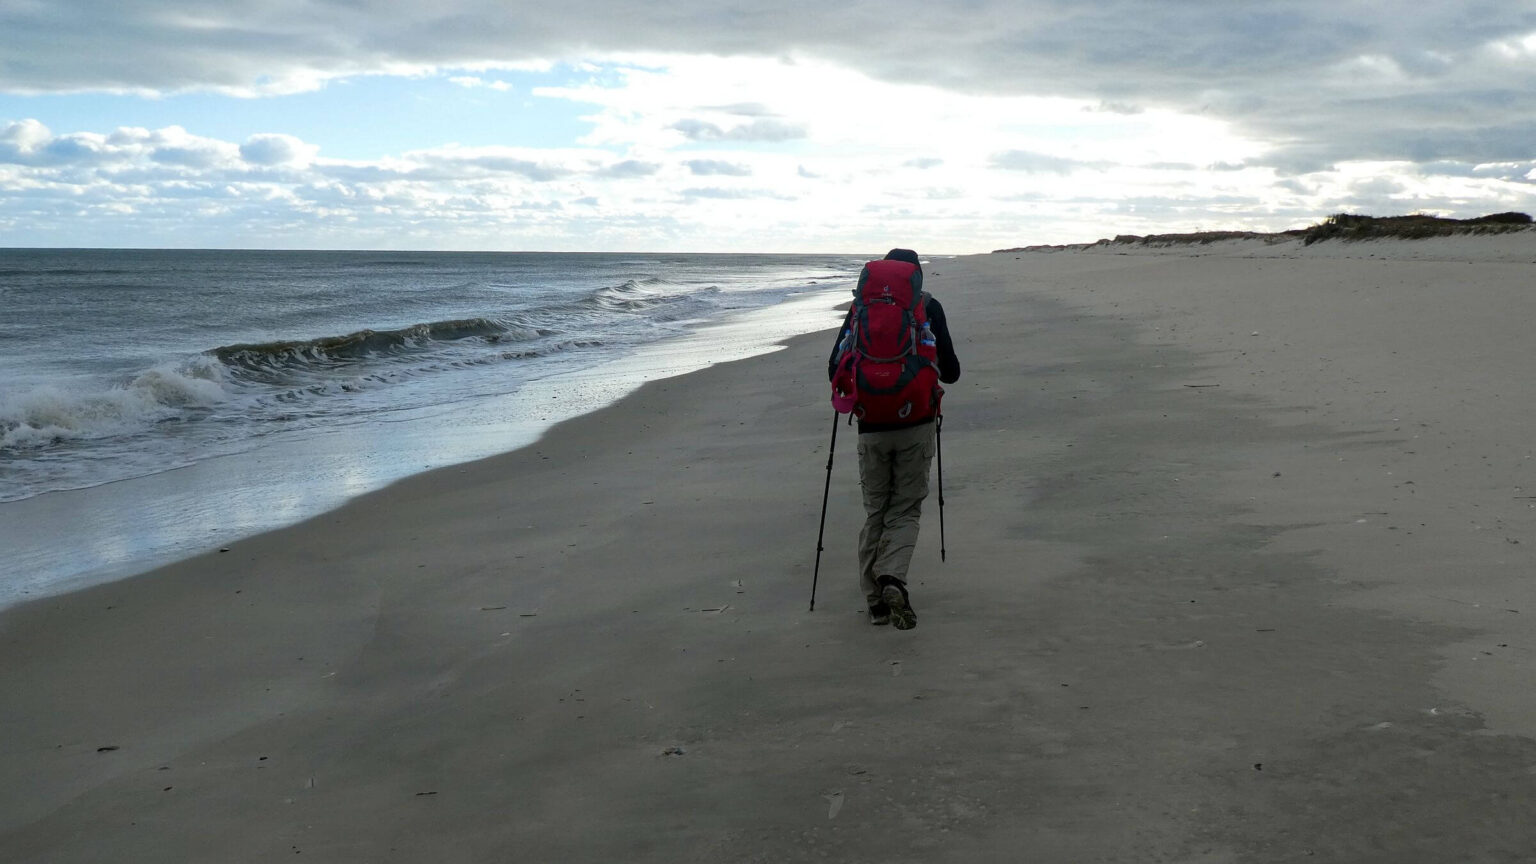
(263, 380)
(638, 295)
(269, 360)
(49, 414)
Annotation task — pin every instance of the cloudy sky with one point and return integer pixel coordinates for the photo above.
(728, 125)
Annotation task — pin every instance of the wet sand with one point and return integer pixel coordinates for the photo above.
(1239, 556)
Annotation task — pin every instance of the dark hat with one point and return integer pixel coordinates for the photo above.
(906, 255)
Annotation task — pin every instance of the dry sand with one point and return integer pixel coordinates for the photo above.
(1240, 569)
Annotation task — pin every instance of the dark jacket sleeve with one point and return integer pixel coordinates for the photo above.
(836, 341)
(949, 364)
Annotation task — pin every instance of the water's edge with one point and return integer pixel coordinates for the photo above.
(69, 540)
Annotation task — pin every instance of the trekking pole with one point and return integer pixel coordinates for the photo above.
(938, 444)
(820, 532)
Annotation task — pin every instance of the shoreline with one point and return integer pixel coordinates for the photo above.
(199, 507)
(1163, 632)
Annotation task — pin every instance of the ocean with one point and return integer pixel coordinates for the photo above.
(156, 403)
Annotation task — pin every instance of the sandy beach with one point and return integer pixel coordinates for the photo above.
(1240, 546)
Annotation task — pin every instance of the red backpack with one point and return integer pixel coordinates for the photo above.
(887, 368)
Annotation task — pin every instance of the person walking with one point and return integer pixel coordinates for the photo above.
(893, 392)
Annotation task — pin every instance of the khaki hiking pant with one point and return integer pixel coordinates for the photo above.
(893, 472)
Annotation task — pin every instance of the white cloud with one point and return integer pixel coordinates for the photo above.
(174, 146)
(466, 163)
(708, 167)
(1294, 72)
(973, 126)
(757, 130)
(730, 194)
(835, 192)
(277, 149)
(1041, 163)
(474, 81)
(24, 135)
(628, 168)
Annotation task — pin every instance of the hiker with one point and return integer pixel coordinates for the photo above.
(896, 401)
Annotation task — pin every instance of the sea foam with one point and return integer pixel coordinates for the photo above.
(48, 414)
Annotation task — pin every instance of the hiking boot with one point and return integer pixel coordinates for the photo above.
(895, 596)
(879, 613)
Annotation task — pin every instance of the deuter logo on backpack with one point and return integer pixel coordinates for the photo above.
(887, 368)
